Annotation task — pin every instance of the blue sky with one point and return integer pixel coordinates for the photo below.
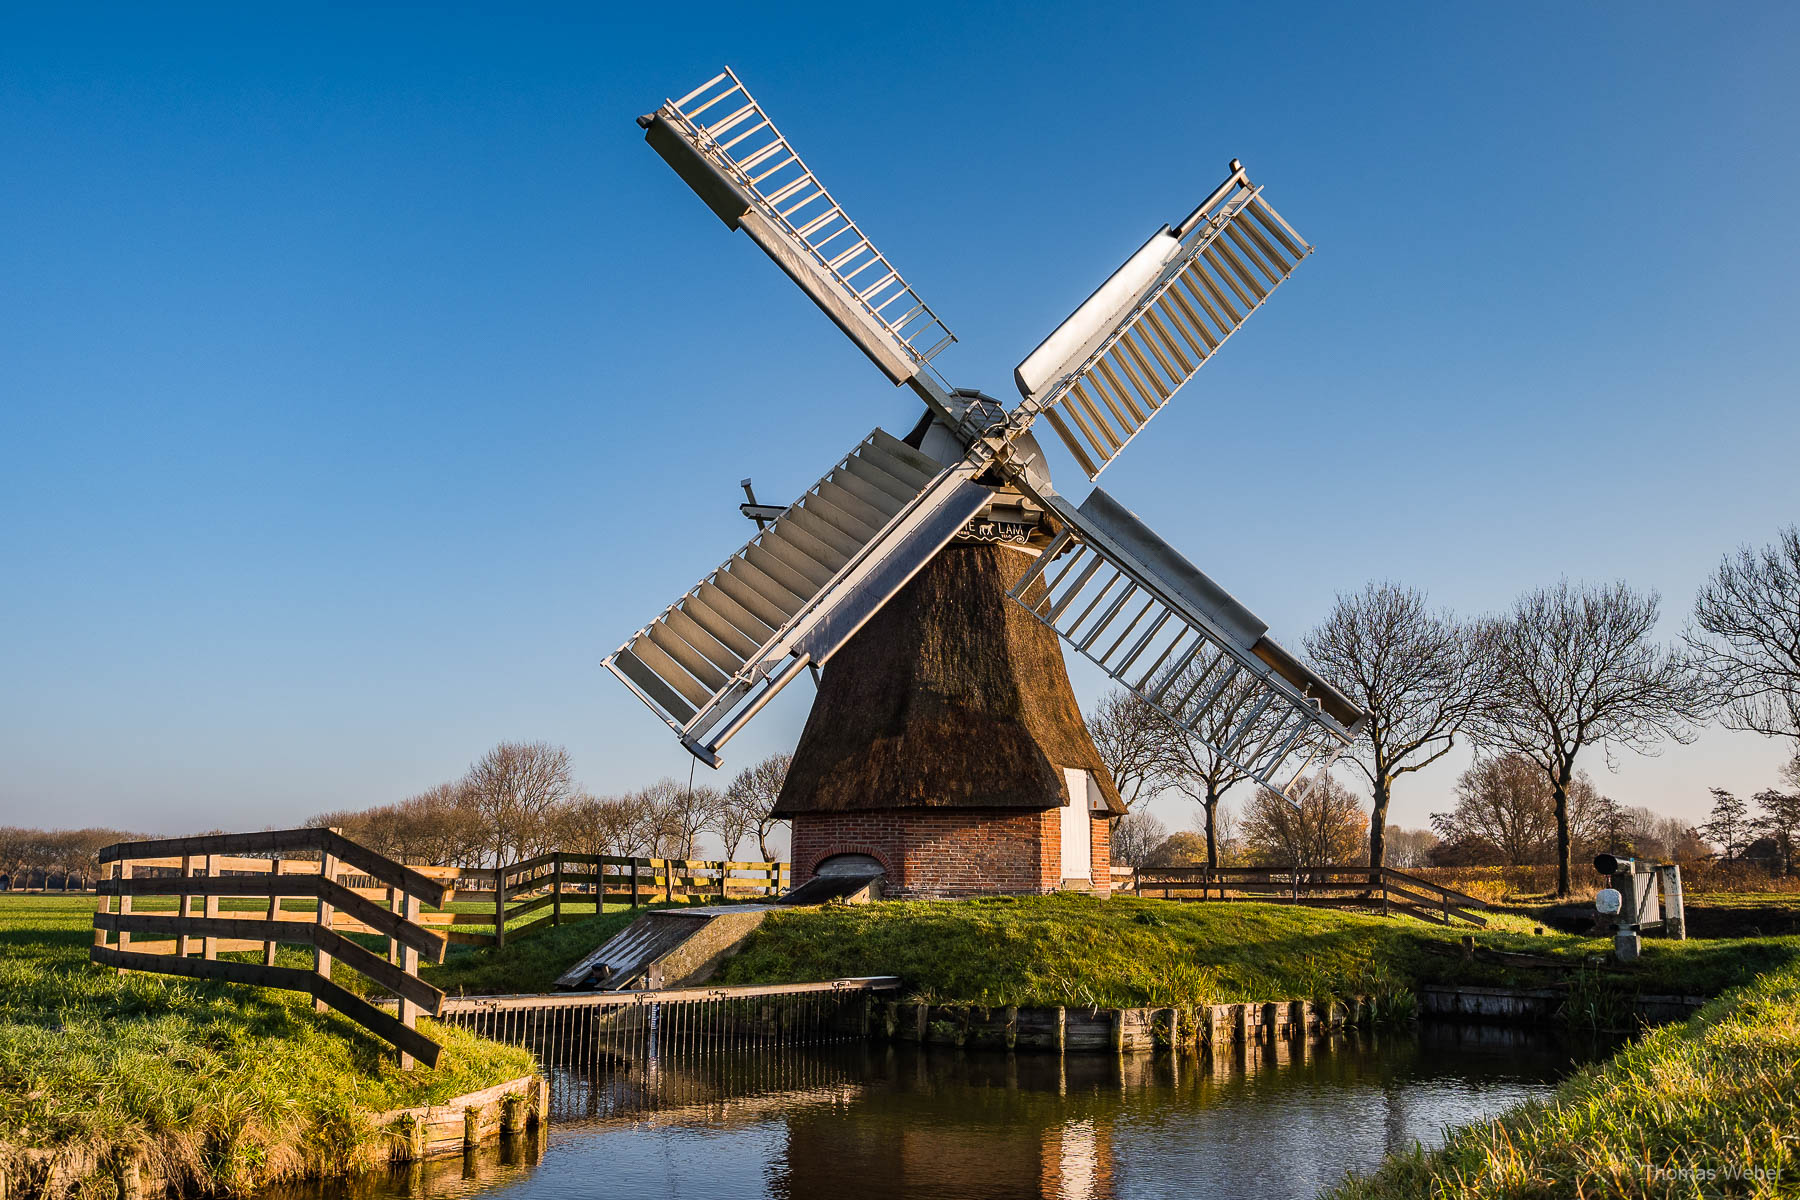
(364, 379)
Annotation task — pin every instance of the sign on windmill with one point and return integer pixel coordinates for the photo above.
(881, 521)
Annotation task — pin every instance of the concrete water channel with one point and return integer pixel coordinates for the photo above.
(842, 1116)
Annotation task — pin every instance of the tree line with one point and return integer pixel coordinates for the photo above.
(520, 799)
(54, 858)
(1533, 689)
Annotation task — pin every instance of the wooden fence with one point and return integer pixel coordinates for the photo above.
(549, 881)
(1321, 887)
(352, 890)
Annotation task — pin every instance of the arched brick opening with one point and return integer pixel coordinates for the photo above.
(833, 849)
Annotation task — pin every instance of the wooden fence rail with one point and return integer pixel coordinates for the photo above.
(303, 864)
(549, 881)
(1323, 887)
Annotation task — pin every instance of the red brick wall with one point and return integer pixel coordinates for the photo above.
(1102, 854)
(932, 853)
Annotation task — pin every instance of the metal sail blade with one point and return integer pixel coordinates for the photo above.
(1160, 626)
(796, 591)
(1120, 357)
(722, 142)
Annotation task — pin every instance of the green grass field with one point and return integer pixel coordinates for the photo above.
(222, 1085)
(1125, 952)
(228, 1087)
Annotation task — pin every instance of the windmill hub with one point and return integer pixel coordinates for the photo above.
(928, 578)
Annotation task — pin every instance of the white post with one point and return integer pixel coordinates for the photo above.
(1674, 911)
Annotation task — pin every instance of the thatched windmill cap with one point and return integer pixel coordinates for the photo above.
(952, 696)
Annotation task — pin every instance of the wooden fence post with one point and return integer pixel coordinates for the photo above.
(634, 899)
(122, 908)
(106, 902)
(321, 960)
(556, 886)
(499, 904)
(409, 962)
(668, 870)
(270, 945)
(396, 902)
(210, 944)
(183, 946)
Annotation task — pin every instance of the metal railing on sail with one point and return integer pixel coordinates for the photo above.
(747, 146)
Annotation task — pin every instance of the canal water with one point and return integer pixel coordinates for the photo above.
(908, 1123)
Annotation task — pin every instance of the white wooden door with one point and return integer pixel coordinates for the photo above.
(1077, 829)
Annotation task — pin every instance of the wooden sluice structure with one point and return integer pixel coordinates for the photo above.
(608, 1053)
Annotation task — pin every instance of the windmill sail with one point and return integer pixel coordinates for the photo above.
(1158, 625)
(797, 590)
(1104, 372)
(722, 142)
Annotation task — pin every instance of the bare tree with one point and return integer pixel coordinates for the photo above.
(1229, 846)
(1418, 674)
(1503, 803)
(1324, 828)
(513, 787)
(1747, 634)
(1132, 739)
(594, 825)
(1779, 821)
(1575, 666)
(680, 813)
(1192, 762)
(1180, 849)
(1505, 813)
(748, 799)
(1408, 849)
(15, 853)
(1135, 836)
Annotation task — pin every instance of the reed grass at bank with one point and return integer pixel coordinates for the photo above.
(1710, 1107)
(216, 1086)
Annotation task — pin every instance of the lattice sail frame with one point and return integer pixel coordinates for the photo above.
(803, 226)
(1129, 603)
(1235, 252)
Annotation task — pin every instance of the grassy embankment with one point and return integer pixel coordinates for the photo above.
(1709, 1107)
(1124, 952)
(219, 1085)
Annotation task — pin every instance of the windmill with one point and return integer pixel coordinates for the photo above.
(827, 565)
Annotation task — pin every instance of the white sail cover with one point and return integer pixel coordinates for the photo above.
(797, 590)
(1161, 627)
(1104, 372)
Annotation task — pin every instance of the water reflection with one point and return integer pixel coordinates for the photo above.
(1279, 1120)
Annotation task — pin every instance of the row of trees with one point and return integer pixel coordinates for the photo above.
(1768, 834)
(517, 800)
(1566, 668)
(520, 799)
(1504, 815)
(54, 857)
